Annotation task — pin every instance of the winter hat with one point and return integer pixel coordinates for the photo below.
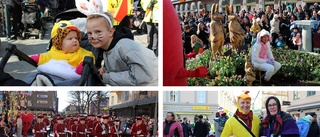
(309, 117)
(313, 114)
(60, 30)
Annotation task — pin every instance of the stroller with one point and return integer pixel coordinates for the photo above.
(31, 19)
(90, 75)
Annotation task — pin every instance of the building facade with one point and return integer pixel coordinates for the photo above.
(104, 104)
(200, 6)
(303, 103)
(34, 101)
(191, 104)
(133, 103)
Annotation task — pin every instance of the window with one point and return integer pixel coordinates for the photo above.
(201, 97)
(311, 93)
(126, 98)
(296, 95)
(143, 92)
(112, 100)
(42, 102)
(119, 98)
(42, 96)
(173, 96)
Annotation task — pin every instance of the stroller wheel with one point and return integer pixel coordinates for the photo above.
(23, 34)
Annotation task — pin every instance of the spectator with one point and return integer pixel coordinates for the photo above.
(300, 14)
(255, 26)
(277, 123)
(15, 11)
(316, 17)
(217, 127)
(304, 125)
(186, 37)
(193, 26)
(265, 23)
(171, 127)
(201, 33)
(297, 41)
(316, 41)
(207, 123)
(314, 128)
(254, 38)
(186, 128)
(201, 129)
(275, 28)
(280, 42)
(19, 126)
(285, 28)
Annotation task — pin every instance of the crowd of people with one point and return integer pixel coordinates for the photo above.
(244, 123)
(76, 125)
(286, 34)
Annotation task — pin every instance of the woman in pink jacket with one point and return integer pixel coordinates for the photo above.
(172, 128)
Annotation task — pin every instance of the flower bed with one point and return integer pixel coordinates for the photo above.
(298, 68)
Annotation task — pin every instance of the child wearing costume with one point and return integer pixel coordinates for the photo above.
(64, 59)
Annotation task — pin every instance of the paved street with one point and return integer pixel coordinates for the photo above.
(19, 69)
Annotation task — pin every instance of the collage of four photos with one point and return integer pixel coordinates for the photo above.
(149, 68)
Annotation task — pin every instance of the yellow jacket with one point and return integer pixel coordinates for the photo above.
(74, 59)
(235, 129)
(255, 28)
(151, 15)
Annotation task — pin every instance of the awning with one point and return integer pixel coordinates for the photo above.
(145, 101)
(303, 107)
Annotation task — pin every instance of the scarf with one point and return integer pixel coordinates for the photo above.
(263, 51)
(246, 118)
(276, 121)
(167, 128)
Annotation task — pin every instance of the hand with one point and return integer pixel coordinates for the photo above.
(139, 132)
(270, 62)
(103, 132)
(101, 71)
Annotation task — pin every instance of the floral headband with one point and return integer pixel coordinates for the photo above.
(92, 7)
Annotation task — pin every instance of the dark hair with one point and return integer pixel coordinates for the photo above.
(174, 116)
(184, 118)
(278, 104)
(186, 27)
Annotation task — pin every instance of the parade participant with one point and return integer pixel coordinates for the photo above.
(39, 128)
(277, 123)
(115, 132)
(61, 128)
(26, 123)
(103, 129)
(82, 128)
(125, 65)
(169, 126)
(243, 123)
(262, 58)
(74, 128)
(46, 122)
(91, 125)
(97, 121)
(139, 129)
(67, 121)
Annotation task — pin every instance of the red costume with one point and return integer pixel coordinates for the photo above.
(135, 128)
(60, 130)
(39, 129)
(81, 130)
(74, 130)
(99, 129)
(26, 123)
(174, 73)
(90, 127)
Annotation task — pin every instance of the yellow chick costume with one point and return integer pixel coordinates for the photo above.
(235, 129)
(57, 35)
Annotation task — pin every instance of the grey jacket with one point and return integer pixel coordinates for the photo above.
(130, 64)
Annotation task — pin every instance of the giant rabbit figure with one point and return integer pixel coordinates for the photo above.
(236, 32)
(217, 33)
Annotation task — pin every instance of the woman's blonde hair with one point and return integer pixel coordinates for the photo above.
(197, 40)
(95, 16)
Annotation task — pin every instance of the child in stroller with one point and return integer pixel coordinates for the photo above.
(32, 20)
(63, 63)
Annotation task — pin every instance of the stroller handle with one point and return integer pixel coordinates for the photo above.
(90, 74)
(13, 50)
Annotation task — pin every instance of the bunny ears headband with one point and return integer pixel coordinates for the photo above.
(92, 7)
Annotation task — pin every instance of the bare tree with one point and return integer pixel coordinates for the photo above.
(101, 96)
(82, 99)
